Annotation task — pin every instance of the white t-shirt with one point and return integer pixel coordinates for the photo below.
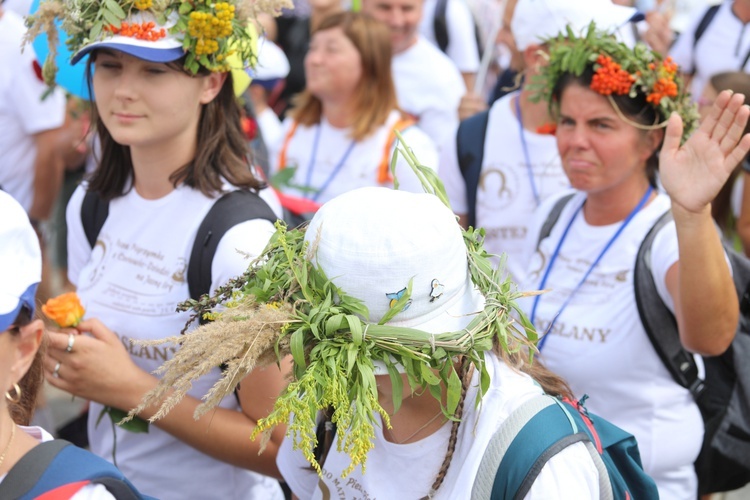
(505, 198)
(462, 41)
(360, 166)
(132, 281)
(23, 113)
(598, 343)
(723, 47)
(407, 471)
(88, 492)
(429, 87)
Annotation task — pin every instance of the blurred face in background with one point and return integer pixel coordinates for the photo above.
(402, 18)
(333, 65)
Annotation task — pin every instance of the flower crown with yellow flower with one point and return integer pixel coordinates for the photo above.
(618, 70)
(207, 33)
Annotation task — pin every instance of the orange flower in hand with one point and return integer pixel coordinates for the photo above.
(65, 310)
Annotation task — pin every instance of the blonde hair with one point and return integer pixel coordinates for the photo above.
(375, 96)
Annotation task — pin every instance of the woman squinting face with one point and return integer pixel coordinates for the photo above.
(598, 149)
(333, 66)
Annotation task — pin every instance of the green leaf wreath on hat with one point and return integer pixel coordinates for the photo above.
(284, 304)
(618, 70)
(211, 32)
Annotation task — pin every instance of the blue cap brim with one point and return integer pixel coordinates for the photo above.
(146, 53)
(26, 299)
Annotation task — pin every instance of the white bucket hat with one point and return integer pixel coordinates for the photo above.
(536, 20)
(20, 261)
(372, 241)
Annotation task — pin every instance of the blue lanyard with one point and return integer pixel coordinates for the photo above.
(525, 146)
(591, 268)
(311, 166)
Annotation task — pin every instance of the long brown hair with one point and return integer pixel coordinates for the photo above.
(721, 207)
(375, 96)
(30, 384)
(222, 151)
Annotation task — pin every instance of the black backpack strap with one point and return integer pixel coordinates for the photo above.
(27, 472)
(94, 212)
(228, 211)
(658, 321)
(701, 29)
(704, 22)
(553, 217)
(470, 138)
(440, 24)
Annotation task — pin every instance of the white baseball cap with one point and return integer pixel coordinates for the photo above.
(536, 20)
(272, 63)
(372, 241)
(166, 49)
(20, 261)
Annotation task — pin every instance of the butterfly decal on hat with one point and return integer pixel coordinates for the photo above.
(436, 290)
(395, 297)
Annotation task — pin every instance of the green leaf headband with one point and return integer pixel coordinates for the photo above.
(619, 70)
(283, 304)
(210, 33)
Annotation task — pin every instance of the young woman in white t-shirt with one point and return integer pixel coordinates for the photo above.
(339, 135)
(171, 145)
(621, 116)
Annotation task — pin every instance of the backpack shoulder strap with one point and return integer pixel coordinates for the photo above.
(518, 451)
(470, 138)
(658, 320)
(27, 472)
(708, 16)
(58, 465)
(553, 217)
(704, 22)
(440, 24)
(94, 212)
(228, 211)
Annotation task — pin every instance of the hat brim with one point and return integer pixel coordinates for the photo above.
(10, 306)
(454, 317)
(152, 54)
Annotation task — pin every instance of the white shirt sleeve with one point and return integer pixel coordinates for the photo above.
(237, 248)
(462, 41)
(79, 250)
(569, 474)
(35, 114)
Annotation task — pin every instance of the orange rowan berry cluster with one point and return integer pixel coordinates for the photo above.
(664, 87)
(610, 78)
(143, 4)
(140, 31)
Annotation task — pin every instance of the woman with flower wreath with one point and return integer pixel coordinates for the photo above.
(171, 146)
(622, 114)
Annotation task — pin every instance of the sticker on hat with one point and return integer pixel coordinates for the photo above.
(395, 297)
(436, 290)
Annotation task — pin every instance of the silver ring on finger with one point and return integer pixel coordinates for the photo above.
(56, 371)
(71, 340)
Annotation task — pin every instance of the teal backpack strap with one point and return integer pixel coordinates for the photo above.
(535, 432)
